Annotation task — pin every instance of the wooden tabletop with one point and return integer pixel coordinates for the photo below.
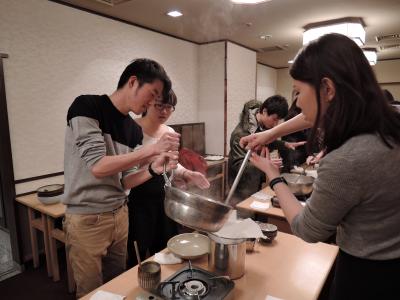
(56, 210)
(271, 211)
(288, 268)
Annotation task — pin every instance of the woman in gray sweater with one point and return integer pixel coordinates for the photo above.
(357, 189)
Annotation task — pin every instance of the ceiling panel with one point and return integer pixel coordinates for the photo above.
(212, 20)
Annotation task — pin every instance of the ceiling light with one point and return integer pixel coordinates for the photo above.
(174, 13)
(370, 54)
(249, 1)
(265, 36)
(350, 27)
(291, 61)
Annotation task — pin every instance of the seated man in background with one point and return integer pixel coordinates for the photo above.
(255, 117)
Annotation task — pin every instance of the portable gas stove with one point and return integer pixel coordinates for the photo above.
(192, 283)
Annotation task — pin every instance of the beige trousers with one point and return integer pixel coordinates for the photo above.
(96, 246)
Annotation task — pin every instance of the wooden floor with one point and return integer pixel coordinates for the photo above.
(35, 284)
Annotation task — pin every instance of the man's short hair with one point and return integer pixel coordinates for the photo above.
(275, 105)
(146, 71)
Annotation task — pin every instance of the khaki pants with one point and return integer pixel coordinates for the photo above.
(96, 246)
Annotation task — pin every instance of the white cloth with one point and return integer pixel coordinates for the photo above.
(103, 295)
(234, 229)
(272, 298)
(262, 196)
(312, 173)
(259, 205)
(167, 258)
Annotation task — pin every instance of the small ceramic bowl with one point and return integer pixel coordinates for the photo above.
(269, 230)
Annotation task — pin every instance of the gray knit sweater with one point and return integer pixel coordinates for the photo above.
(357, 193)
(95, 128)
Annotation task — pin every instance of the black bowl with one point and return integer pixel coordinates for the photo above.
(269, 230)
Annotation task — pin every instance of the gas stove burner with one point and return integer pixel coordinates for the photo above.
(192, 283)
(194, 288)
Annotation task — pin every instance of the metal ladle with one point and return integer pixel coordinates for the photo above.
(238, 176)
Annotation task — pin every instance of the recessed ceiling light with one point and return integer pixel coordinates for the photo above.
(265, 36)
(174, 13)
(249, 1)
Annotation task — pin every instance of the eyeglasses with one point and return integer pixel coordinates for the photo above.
(167, 107)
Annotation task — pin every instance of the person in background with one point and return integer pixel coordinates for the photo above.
(148, 223)
(389, 97)
(297, 156)
(99, 165)
(357, 189)
(255, 117)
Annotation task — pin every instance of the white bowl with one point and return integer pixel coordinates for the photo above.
(50, 200)
(189, 245)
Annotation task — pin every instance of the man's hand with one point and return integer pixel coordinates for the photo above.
(170, 159)
(168, 142)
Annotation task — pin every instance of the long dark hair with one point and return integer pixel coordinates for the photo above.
(359, 105)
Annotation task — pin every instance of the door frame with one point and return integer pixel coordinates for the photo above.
(7, 170)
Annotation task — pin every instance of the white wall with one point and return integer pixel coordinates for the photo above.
(267, 80)
(285, 84)
(388, 75)
(211, 95)
(57, 53)
(241, 83)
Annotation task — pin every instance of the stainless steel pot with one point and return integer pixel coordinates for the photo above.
(227, 256)
(196, 211)
(299, 184)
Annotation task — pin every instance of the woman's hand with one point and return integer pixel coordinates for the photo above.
(168, 158)
(294, 145)
(265, 164)
(256, 140)
(196, 178)
(314, 159)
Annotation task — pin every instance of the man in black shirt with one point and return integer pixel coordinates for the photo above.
(99, 159)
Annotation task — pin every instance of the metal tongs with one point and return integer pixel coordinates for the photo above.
(168, 181)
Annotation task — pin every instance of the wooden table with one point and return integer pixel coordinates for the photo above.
(275, 215)
(45, 223)
(288, 268)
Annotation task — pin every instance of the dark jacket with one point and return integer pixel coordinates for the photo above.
(252, 178)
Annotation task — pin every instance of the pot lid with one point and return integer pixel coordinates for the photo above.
(50, 190)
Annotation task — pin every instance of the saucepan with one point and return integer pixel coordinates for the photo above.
(299, 185)
(196, 211)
